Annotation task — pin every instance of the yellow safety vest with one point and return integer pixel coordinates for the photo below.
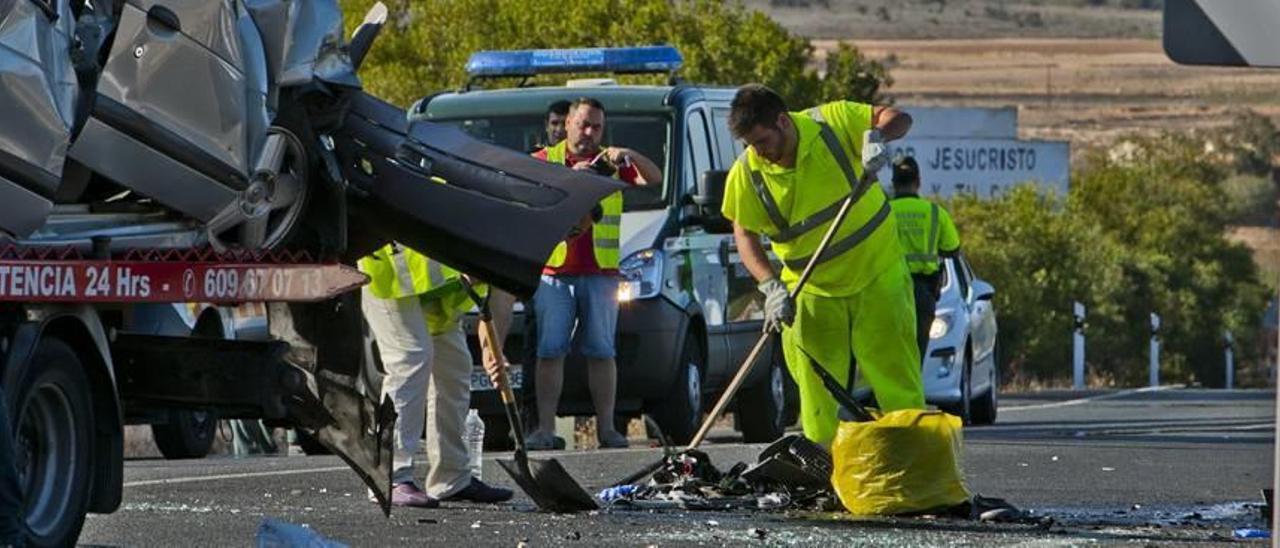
(827, 171)
(444, 308)
(917, 232)
(396, 272)
(606, 233)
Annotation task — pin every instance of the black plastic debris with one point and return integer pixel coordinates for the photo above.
(793, 472)
(792, 462)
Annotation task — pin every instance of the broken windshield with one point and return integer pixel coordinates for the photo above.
(645, 133)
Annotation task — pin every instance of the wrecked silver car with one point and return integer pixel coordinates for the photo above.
(233, 126)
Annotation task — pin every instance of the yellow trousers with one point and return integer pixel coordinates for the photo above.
(878, 327)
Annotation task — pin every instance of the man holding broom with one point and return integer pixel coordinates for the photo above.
(798, 169)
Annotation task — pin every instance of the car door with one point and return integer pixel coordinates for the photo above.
(702, 266)
(745, 310)
(183, 92)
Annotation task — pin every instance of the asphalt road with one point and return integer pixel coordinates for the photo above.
(1154, 466)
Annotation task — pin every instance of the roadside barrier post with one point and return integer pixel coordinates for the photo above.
(1153, 376)
(1228, 343)
(1077, 347)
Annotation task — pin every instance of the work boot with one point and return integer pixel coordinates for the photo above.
(612, 440)
(479, 491)
(538, 441)
(407, 494)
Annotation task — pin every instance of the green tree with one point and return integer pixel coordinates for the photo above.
(426, 44)
(1142, 230)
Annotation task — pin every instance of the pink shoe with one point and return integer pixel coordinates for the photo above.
(408, 494)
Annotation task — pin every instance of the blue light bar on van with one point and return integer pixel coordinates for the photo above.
(531, 62)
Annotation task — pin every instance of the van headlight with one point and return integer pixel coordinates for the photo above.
(641, 275)
(940, 326)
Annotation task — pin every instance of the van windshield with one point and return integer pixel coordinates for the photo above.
(646, 133)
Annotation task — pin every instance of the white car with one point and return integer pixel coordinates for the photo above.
(960, 365)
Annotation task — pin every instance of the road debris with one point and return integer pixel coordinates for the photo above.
(1252, 533)
(793, 473)
(273, 533)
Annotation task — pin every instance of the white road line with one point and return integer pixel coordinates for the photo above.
(216, 477)
(1078, 401)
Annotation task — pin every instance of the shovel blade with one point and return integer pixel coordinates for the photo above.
(550, 486)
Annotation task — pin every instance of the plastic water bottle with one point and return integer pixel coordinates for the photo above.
(473, 435)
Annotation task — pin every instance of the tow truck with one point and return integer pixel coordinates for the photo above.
(159, 152)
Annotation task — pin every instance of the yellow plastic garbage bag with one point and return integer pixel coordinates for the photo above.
(906, 461)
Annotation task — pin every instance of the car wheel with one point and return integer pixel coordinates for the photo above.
(984, 409)
(680, 413)
(188, 434)
(761, 408)
(52, 413)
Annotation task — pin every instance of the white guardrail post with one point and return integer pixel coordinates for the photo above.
(1077, 347)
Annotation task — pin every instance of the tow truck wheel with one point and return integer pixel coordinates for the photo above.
(679, 414)
(52, 410)
(188, 434)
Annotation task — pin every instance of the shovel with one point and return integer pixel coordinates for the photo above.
(544, 480)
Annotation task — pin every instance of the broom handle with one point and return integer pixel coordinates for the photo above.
(748, 363)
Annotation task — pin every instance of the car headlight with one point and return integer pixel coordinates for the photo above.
(940, 326)
(641, 275)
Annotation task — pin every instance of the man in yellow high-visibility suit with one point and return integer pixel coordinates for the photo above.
(412, 305)
(788, 185)
(927, 234)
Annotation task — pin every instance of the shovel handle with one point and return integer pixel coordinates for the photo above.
(490, 342)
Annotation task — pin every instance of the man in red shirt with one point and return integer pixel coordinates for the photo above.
(579, 284)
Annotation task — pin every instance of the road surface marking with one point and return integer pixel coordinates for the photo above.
(243, 475)
(1078, 401)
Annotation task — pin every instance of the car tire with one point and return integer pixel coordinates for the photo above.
(188, 434)
(680, 413)
(762, 408)
(985, 408)
(52, 412)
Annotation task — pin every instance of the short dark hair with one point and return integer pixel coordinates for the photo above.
(587, 101)
(754, 105)
(906, 172)
(560, 107)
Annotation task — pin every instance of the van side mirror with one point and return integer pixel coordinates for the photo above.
(982, 291)
(707, 201)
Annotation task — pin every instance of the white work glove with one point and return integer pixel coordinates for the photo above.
(778, 309)
(875, 154)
